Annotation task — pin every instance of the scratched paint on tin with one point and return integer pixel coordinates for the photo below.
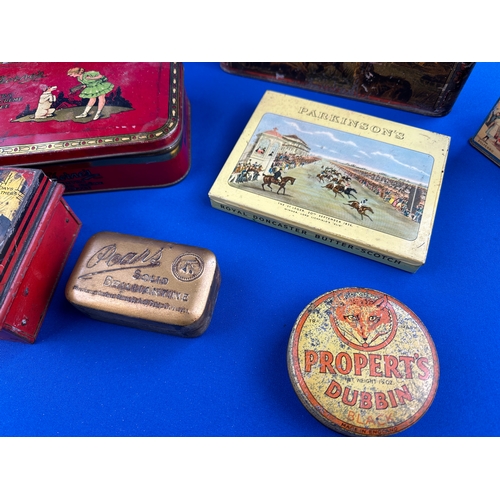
(362, 362)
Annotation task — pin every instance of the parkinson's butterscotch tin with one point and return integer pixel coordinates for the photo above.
(352, 181)
(96, 126)
(362, 363)
(145, 283)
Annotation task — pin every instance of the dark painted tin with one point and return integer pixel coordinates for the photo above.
(425, 88)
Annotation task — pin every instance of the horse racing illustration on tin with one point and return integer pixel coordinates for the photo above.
(356, 179)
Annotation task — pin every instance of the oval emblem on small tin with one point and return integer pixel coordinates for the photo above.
(188, 267)
(362, 362)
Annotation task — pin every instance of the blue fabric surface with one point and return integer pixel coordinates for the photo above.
(87, 378)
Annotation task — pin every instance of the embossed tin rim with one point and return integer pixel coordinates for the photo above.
(311, 403)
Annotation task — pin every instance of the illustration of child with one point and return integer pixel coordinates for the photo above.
(44, 109)
(95, 87)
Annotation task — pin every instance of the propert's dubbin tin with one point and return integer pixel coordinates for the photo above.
(362, 362)
(145, 283)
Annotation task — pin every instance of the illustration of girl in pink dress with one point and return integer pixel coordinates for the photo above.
(95, 87)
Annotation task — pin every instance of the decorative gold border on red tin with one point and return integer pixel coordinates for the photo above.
(49, 147)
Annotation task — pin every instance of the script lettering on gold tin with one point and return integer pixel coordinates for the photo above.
(145, 283)
(108, 256)
(108, 260)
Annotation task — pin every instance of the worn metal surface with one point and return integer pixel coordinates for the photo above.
(362, 363)
(37, 231)
(145, 283)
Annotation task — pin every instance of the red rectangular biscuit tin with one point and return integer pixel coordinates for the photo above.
(96, 126)
(37, 232)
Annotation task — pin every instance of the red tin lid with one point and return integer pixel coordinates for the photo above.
(362, 363)
(53, 112)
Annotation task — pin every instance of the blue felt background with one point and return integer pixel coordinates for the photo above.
(87, 378)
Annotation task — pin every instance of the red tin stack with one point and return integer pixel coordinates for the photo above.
(37, 232)
(96, 126)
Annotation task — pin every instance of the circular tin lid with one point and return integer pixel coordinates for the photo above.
(362, 363)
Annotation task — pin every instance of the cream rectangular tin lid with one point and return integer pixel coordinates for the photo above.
(395, 171)
(52, 112)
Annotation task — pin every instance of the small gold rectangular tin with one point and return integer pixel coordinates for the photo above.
(352, 181)
(145, 283)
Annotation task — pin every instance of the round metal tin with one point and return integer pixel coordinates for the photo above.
(362, 362)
